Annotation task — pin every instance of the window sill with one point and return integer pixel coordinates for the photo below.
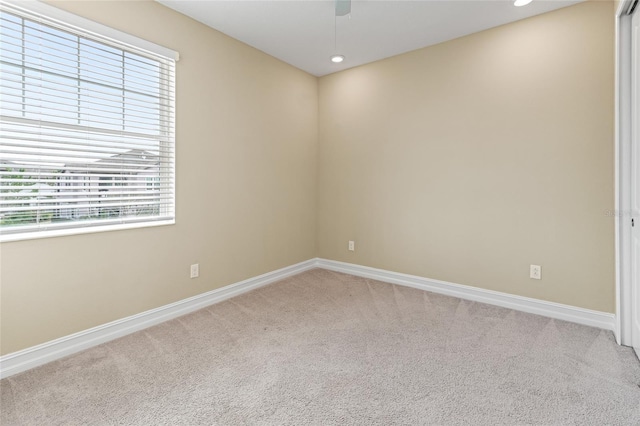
(78, 231)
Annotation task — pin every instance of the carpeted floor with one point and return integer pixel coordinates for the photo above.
(325, 348)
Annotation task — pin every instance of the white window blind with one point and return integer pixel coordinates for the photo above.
(87, 129)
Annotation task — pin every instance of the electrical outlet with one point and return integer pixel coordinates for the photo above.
(195, 270)
(535, 272)
(352, 245)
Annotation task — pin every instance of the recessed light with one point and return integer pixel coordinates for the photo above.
(336, 59)
(519, 3)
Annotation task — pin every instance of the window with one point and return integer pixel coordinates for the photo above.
(87, 127)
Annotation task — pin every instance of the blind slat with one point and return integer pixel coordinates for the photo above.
(26, 125)
(34, 139)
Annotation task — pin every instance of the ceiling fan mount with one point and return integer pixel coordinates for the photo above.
(343, 7)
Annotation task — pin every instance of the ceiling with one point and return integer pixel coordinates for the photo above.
(301, 32)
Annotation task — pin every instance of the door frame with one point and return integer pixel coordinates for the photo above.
(622, 213)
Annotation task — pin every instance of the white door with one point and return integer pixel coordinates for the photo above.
(635, 182)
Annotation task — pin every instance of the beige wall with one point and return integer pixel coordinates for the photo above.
(469, 160)
(246, 155)
(465, 162)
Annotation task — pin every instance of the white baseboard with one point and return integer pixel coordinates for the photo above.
(34, 356)
(569, 313)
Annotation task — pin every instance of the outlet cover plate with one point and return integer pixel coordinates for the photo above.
(535, 272)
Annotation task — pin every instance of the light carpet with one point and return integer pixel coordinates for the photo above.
(325, 348)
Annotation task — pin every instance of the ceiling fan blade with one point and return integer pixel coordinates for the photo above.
(343, 7)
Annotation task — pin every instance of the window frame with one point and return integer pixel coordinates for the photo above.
(82, 27)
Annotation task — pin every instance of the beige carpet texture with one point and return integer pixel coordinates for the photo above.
(323, 348)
